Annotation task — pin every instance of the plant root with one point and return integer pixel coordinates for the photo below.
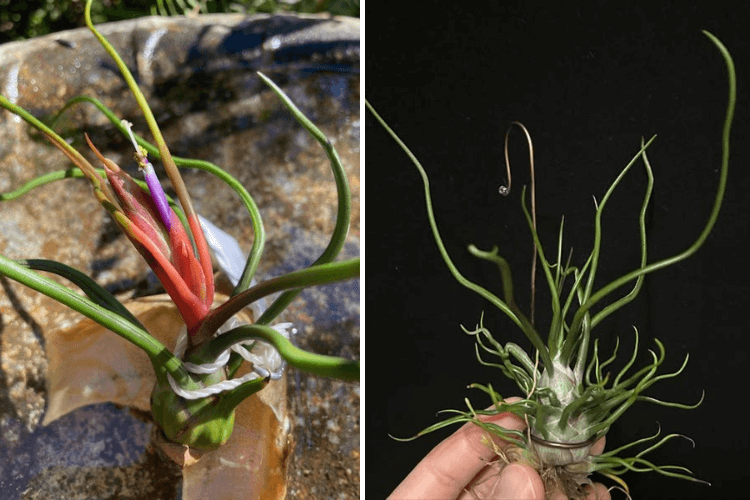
(569, 479)
(561, 478)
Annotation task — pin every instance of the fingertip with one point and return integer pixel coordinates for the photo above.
(558, 495)
(519, 480)
(598, 447)
(597, 492)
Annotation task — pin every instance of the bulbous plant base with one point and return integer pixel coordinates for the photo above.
(552, 453)
(562, 479)
(89, 364)
(182, 455)
(253, 463)
(192, 423)
(569, 479)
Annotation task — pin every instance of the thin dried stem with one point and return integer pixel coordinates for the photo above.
(505, 191)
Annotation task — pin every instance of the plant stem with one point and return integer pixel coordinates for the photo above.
(321, 274)
(317, 364)
(344, 200)
(525, 326)
(604, 291)
(159, 355)
(166, 157)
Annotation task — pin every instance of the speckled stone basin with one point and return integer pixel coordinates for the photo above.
(199, 77)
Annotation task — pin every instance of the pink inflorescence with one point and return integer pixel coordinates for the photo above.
(154, 186)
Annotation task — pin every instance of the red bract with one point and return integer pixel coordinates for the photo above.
(169, 252)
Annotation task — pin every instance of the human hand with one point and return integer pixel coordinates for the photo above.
(458, 468)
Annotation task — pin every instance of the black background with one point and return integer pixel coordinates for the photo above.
(588, 80)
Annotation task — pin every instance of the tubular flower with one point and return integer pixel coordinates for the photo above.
(158, 234)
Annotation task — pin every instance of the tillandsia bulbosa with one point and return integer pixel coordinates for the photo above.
(197, 384)
(570, 398)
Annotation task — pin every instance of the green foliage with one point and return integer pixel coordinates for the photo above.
(31, 18)
(197, 423)
(205, 422)
(565, 410)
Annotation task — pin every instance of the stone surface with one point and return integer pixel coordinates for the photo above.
(199, 77)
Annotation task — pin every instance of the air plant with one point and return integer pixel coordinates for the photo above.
(571, 400)
(197, 384)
